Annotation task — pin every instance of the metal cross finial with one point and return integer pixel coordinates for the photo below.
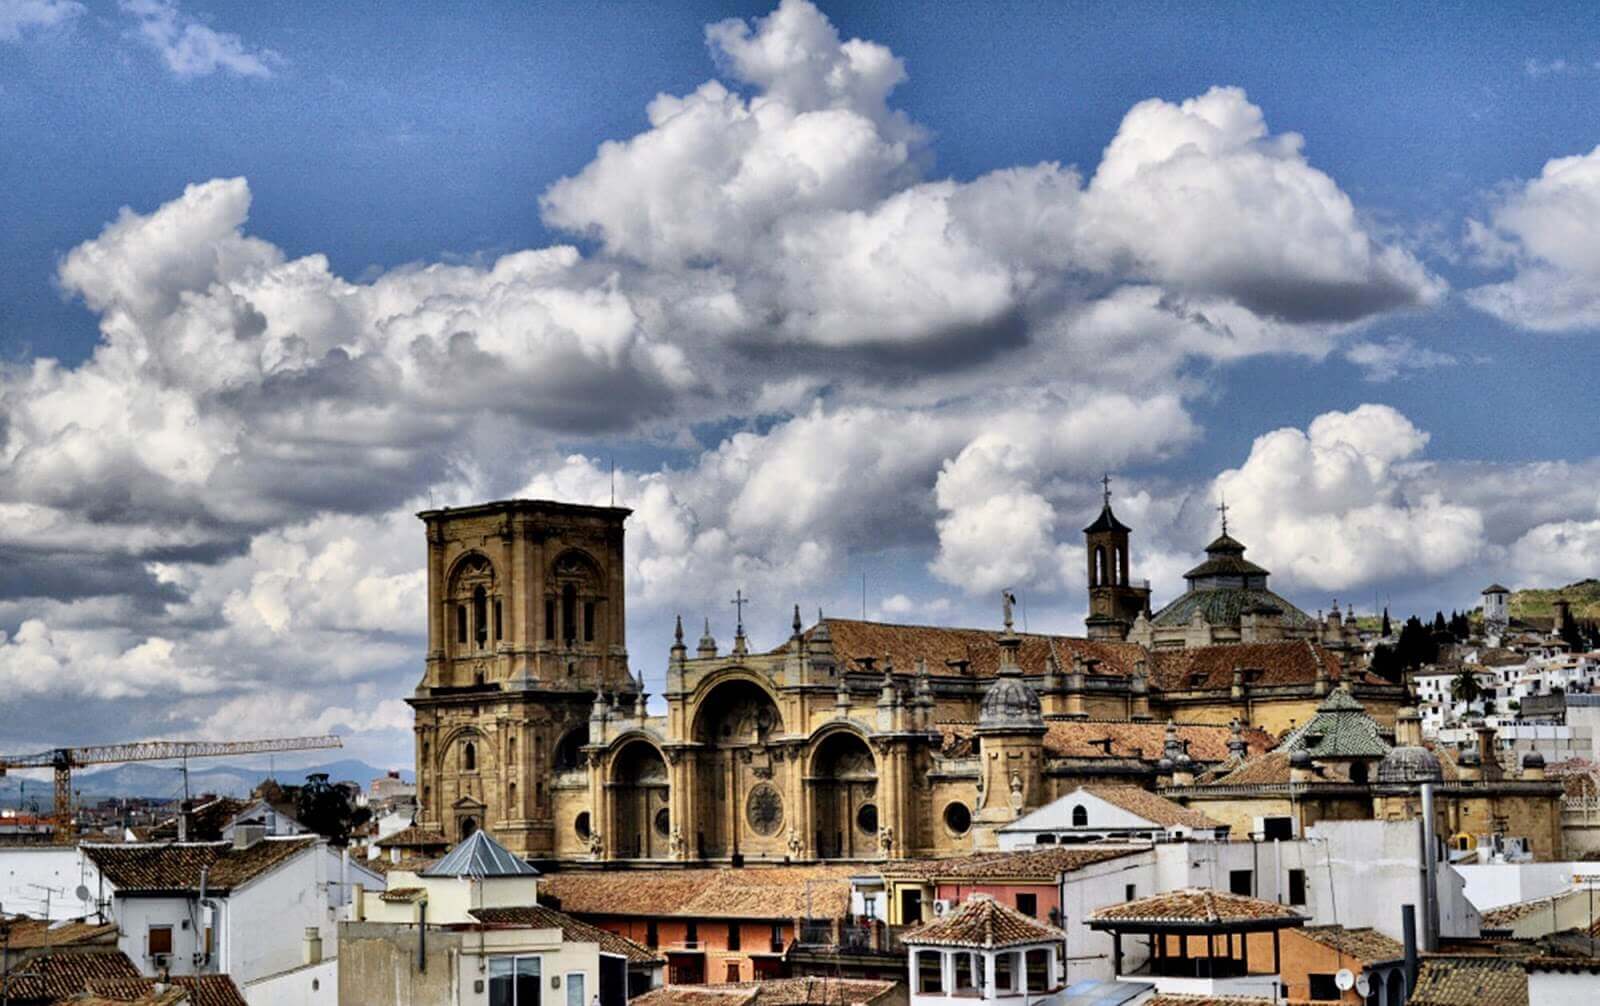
(1222, 508)
(739, 601)
(1106, 482)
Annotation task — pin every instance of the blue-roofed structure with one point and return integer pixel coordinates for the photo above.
(1097, 992)
(479, 855)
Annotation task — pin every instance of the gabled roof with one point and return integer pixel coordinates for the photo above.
(1340, 728)
(134, 869)
(1210, 668)
(1365, 944)
(57, 975)
(1470, 981)
(480, 856)
(751, 892)
(572, 930)
(942, 648)
(1505, 916)
(414, 837)
(983, 922)
(1150, 806)
(1195, 907)
(203, 990)
(1046, 864)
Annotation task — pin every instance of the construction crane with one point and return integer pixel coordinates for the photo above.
(64, 760)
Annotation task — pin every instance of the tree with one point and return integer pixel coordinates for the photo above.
(1465, 688)
(1386, 665)
(327, 810)
(1416, 645)
(1439, 628)
(1388, 630)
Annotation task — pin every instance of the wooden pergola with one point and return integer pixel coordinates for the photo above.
(1221, 924)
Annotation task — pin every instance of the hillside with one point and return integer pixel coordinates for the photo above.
(1583, 596)
(162, 780)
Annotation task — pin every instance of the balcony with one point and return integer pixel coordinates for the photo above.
(872, 937)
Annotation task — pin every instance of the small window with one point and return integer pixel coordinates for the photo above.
(549, 618)
(1324, 988)
(867, 818)
(963, 970)
(1241, 882)
(1080, 816)
(511, 799)
(1277, 828)
(733, 971)
(580, 825)
(652, 935)
(1038, 971)
(461, 623)
(588, 621)
(1297, 887)
(930, 972)
(499, 622)
(1130, 892)
(691, 933)
(1005, 972)
(160, 939)
(733, 937)
(569, 613)
(480, 616)
(469, 757)
(1028, 904)
(957, 818)
(777, 938)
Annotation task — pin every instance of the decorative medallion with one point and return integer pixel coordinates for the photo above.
(764, 810)
(663, 822)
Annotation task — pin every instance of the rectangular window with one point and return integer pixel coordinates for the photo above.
(777, 938)
(1277, 828)
(588, 621)
(691, 933)
(1005, 972)
(652, 935)
(733, 936)
(1241, 882)
(1323, 988)
(549, 618)
(1038, 971)
(160, 940)
(1028, 904)
(930, 974)
(733, 971)
(1130, 892)
(461, 623)
(513, 981)
(499, 622)
(1297, 887)
(575, 989)
(963, 963)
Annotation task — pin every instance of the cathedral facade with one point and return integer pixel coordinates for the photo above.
(849, 740)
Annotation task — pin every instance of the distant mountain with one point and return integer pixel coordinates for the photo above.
(163, 781)
(1583, 596)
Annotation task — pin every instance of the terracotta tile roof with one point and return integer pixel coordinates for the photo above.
(773, 992)
(203, 990)
(753, 892)
(1470, 981)
(1086, 739)
(1210, 668)
(1153, 808)
(984, 922)
(206, 820)
(401, 894)
(171, 995)
(1171, 999)
(1364, 944)
(30, 934)
(1045, 864)
(138, 868)
(1507, 915)
(572, 930)
(414, 837)
(1199, 905)
(411, 864)
(58, 975)
(854, 641)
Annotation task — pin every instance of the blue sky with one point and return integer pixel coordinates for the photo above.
(228, 413)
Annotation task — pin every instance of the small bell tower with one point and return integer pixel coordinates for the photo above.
(1114, 602)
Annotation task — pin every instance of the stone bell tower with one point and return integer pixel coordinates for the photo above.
(526, 625)
(1011, 731)
(1114, 602)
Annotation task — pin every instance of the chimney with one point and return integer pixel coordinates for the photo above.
(246, 835)
(1408, 925)
(311, 948)
(1533, 767)
(183, 821)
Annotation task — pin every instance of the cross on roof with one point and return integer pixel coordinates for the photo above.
(1106, 481)
(739, 601)
(1222, 508)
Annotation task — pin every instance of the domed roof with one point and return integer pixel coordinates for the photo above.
(1300, 759)
(1010, 704)
(1533, 759)
(1410, 765)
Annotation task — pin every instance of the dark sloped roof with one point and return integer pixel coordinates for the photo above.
(1107, 521)
(1470, 981)
(1365, 944)
(1206, 742)
(1211, 667)
(764, 892)
(480, 856)
(1224, 606)
(809, 991)
(30, 934)
(1045, 864)
(1340, 728)
(572, 930)
(1150, 806)
(204, 990)
(982, 921)
(60, 974)
(414, 837)
(1199, 906)
(855, 641)
(140, 868)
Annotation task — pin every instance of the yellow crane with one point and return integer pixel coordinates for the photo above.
(64, 760)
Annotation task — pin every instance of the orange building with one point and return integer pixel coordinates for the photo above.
(1313, 956)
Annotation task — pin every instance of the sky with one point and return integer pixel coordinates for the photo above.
(860, 301)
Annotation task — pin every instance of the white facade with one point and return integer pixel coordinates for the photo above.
(1491, 885)
(308, 985)
(1081, 816)
(34, 878)
(1549, 987)
(966, 975)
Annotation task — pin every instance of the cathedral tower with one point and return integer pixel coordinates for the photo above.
(526, 625)
(1113, 601)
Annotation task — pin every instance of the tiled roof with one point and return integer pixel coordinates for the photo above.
(30, 934)
(1144, 741)
(1364, 944)
(206, 820)
(382, 865)
(941, 647)
(1171, 999)
(401, 894)
(1340, 728)
(753, 892)
(572, 930)
(772, 992)
(1153, 808)
(414, 837)
(480, 856)
(1199, 905)
(1225, 605)
(1210, 668)
(1470, 981)
(984, 922)
(58, 975)
(170, 995)
(176, 867)
(1045, 864)
(203, 990)
(1507, 915)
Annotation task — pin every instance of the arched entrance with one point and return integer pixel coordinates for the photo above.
(735, 722)
(844, 797)
(641, 822)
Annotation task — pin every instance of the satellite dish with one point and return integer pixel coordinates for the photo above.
(1363, 985)
(82, 893)
(1345, 979)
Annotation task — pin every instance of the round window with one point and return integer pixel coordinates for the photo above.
(957, 818)
(663, 822)
(764, 810)
(867, 818)
(581, 825)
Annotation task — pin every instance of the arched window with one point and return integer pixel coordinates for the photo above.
(468, 826)
(1118, 558)
(511, 800)
(480, 615)
(469, 757)
(1080, 816)
(461, 623)
(569, 613)
(511, 750)
(1099, 566)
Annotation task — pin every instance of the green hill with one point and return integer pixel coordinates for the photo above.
(1583, 596)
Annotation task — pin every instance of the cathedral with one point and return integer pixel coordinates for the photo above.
(849, 740)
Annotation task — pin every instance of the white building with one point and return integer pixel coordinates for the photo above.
(986, 952)
(240, 908)
(1106, 813)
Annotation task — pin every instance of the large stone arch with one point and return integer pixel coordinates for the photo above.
(638, 788)
(474, 609)
(842, 786)
(735, 724)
